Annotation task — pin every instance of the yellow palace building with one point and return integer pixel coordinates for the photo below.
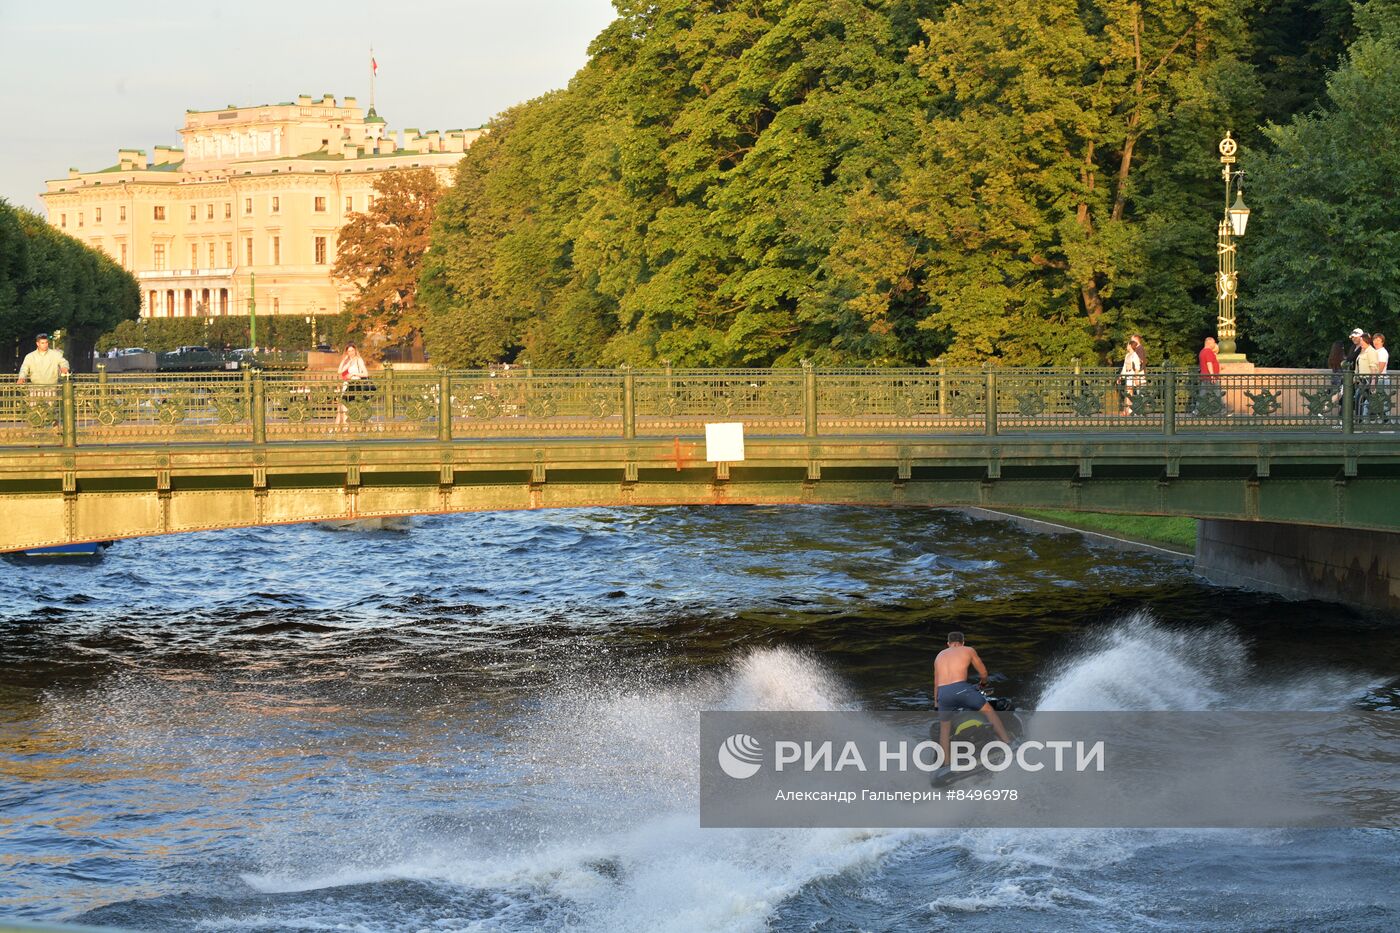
(253, 200)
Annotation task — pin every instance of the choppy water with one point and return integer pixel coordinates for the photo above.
(488, 723)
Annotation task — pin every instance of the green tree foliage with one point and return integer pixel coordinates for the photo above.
(380, 252)
(283, 332)
(1048, 178)
(751, 182)
(50, 281)
(1324, 256)
(683, 198)
(1295, 44)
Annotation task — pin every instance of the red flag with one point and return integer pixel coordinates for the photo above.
(373, 66)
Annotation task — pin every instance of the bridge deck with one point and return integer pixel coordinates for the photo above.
(95, 459)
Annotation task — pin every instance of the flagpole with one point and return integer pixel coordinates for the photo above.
(371, 77)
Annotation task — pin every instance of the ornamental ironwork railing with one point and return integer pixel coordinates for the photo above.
(280, 406)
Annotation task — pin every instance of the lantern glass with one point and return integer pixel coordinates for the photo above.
(1239, 215)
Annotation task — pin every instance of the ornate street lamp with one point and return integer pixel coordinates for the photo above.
(1232, 226)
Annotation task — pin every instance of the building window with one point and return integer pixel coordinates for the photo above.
(349, 203)
(208, 212)
(248, 249)
(276, 204)
(277, 251)
(194, 212)
(97, 215)
(228, 254)
(194, 255)
(63, 220)
(277, 306)
(320, 251)
(158, 212)
(320, 204)
(211, 255)
(228, 209)
(158, 257)
(247, 205)
(123, 255)
(121, 213)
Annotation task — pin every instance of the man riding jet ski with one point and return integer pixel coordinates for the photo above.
(964, 712)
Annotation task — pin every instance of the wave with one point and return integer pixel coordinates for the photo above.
(588, 815)
(1141, 664)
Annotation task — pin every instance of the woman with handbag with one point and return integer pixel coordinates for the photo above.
(352, 370)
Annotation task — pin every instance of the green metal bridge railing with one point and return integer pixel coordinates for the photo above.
(278, 406)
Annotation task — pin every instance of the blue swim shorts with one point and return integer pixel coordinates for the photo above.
(953, 698)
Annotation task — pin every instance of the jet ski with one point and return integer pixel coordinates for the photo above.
(974, 727)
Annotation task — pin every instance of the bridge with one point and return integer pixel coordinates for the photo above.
(102, 457)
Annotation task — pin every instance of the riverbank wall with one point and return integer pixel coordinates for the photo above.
(1359, 568)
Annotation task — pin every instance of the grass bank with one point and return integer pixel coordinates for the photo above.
(1176, 532)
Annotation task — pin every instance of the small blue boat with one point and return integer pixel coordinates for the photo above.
(90, 550)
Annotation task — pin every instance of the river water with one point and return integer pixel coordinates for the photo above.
(488, 722)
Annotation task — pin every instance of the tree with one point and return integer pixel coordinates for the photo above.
(1296, 43)
(1024, 212)
(1323, 255)
(50, 281)
(380, 252)
(682, 199)
(864, 182)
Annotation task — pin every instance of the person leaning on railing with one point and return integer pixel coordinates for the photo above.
(42, 368)
(352, 371)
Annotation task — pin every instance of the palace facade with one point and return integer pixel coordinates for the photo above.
(249, 209)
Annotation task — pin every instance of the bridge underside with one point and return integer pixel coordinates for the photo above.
(50, 497)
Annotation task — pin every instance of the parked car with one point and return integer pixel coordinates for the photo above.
(190, 360)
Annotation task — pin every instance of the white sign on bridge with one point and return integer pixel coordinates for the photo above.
(724, 442)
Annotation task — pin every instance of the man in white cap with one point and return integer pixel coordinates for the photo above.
(1368, 367)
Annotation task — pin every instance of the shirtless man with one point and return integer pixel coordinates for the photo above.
(953, 693)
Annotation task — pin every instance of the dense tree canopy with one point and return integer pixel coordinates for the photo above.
(1327, 259)
(751, 182)
(50, 281)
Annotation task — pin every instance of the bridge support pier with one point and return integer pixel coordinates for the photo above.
(1360, 568)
